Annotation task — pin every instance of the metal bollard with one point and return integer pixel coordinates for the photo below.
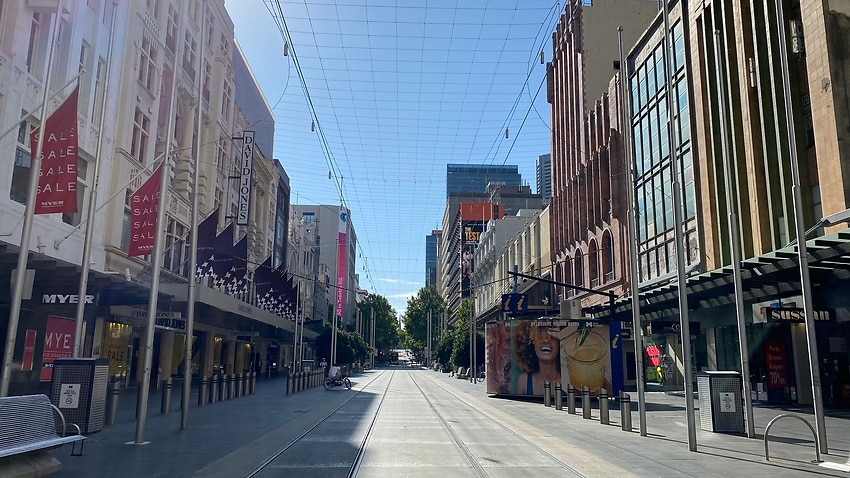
(231, 386)
(112, 403)
(603, 406)
(585, 402)
(571, 399)
(244, 386)
(253, 383)
(289, 384)
(227, 392)
(547, 393)
(214, 390)
(625, 412)
(202, 392)
(559, 399)
(239, 384)
(166, 396)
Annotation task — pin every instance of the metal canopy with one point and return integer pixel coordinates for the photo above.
(772, 275)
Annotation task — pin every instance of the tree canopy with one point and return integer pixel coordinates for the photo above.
(386, 322)
(416, 316)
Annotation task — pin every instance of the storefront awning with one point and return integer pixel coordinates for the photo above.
(775, 275)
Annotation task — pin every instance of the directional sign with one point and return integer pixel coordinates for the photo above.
(514, 303)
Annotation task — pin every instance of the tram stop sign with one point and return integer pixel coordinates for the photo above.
(514, 303)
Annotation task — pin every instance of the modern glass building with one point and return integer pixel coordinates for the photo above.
(650, 112)
(544, 177)
(473, 178)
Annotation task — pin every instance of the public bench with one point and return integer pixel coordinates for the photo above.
(462, 373)
(29, 424)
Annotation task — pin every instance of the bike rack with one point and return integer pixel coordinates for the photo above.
(790, 415)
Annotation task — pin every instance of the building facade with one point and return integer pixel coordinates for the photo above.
(337, 246)
(161, 49)
(590, 201)
(474, 178)
(543, 173)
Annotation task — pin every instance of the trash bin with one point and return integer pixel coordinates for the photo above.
(78, 389)
(720, 401)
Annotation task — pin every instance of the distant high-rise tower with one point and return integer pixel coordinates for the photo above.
(544, 177)
(431, 257)
(473, 178)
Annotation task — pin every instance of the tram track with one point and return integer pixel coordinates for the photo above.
(374, 430)
(323, 421)
(476, 465)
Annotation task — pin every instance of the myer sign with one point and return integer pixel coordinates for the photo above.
(65, 299)
(246, 168)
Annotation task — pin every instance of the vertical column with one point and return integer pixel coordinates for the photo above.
(166, 352)
(230, 357)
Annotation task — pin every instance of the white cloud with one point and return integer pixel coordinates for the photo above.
(399, 281)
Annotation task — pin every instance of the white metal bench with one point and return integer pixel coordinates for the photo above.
(29, 424)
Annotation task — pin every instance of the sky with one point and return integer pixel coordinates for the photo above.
(376, 97)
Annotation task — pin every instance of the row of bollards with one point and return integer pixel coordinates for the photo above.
(234, 385)
(225, 387)
(299, 381)
(604, 411)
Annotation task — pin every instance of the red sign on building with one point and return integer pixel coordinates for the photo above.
(58, 343)
(777, 367)
(57, 179)
(144, 205)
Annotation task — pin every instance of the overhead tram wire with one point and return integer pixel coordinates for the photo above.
(325, 144)
(525, 85)
(336, 175)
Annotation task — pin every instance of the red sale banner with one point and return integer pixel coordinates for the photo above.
(144, 204)
(57, 179)
(58, 343)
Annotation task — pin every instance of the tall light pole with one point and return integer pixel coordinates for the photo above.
(634, 276)
(684, 321)
(802, 253)
(732, 207)
(29, 214)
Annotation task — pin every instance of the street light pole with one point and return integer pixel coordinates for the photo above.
(802, 253)
(682, 285)
(732, 207)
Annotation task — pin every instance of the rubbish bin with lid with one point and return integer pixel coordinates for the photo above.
(720, 401)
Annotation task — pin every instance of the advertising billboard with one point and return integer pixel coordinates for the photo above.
(470, 233)
(523, 354)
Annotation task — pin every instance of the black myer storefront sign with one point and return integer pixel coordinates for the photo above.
(789, 315)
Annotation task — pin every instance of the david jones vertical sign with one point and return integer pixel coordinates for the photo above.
(246, 167)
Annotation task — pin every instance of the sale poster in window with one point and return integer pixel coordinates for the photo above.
(58, 343)
(777, 367)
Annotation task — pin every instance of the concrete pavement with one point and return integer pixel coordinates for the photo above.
(222, 437)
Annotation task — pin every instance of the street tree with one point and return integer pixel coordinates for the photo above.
(416, 316)
(386, 322)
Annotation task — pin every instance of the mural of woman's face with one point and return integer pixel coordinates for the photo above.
(545, 341)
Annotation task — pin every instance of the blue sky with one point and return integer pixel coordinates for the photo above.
(397, 93)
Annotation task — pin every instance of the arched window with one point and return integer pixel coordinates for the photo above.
(578, 268)
(593, 263)
(607, 257)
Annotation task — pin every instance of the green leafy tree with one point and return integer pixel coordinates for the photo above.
(416, 316)
(350, 346)
(454, 349)
(386, 322)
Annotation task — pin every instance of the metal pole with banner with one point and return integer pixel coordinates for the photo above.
(26, 231)
(158, 243)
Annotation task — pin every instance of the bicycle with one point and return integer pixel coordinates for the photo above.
(331, 383)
